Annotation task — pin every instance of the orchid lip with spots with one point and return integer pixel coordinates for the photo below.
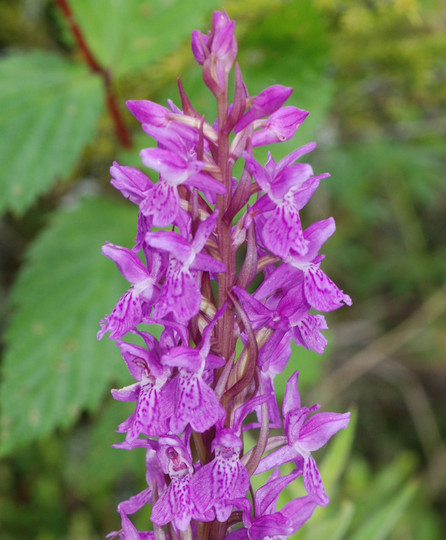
(195, 392)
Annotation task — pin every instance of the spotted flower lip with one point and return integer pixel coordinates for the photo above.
(195, 402)
(223, 279)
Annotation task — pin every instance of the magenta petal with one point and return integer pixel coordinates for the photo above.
(148, 112)
(199, 44)
(272, 351)
(127, 262)
(171, 165)
(218, 482)
(291, 180)
(129, 530)
(293, 424)
(150, 418)
(162, 204)
(163, 509)
(183, 357)
(298, 511)
(139, 417)
(256, 170)
(283, 231)
(136, 502)
(131, 182)
(313, 482)
(257, 313)
(224, 44)
(123, 428)
(276, 459)
(307, 332)
(170, 241)
(291, 399)
(305, 192)
(204, 231)
(281, 276)
(319, 428)
(201, 483)
(128, 393)
(321, 293)
(175, 504)
(180, 295)
(205, 183)
(197, 404)
(126, 315)
(295, 155)
(317, 234)
(207, 263)
(138, 360)
(267, 102)
(213, 361)
(267, 495)
(280, 126)
(274, 525)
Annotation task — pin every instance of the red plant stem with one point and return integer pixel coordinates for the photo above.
(121, 130)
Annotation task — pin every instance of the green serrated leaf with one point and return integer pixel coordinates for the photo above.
(127, 35)
(379, 525)
(49, 112)
(54, 367)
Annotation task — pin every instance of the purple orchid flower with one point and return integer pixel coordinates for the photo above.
(225, 478)
(195, 403)
(174, 170)
(267, 522)
(175, 502)
(319, 291)
(149, 417)
(290, 319)
(136, 302)
(181, 294)
(220, 347)
(288, 188)
(304, 436)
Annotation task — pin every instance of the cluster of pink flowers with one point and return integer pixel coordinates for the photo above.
(207, 237)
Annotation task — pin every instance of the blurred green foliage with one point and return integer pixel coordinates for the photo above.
(372, 74)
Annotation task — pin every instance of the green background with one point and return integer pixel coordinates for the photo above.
(372, 75)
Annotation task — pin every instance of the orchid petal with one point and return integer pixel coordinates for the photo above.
(318, 429)
(313, 482)
(321, 293)
(162, 203)
(127, 262)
